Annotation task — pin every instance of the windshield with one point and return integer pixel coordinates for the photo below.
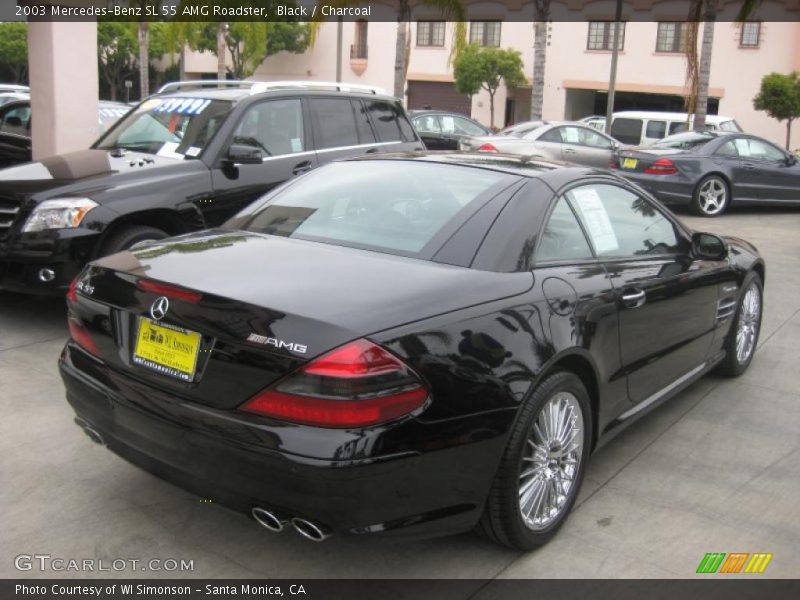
(731, 125)
(684, 141)
(175, 127)
(390, 206)
(520, 130)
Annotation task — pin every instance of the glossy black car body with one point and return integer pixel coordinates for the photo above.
(164, 193)
(476, 314)
(442, 130)
(749, 169)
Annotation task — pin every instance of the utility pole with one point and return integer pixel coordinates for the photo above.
(612, 78)
(339, 28)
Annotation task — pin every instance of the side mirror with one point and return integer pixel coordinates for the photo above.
(791, 160)
(244, 155)
(709, 246)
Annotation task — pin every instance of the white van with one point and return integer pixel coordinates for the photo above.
(645, 127)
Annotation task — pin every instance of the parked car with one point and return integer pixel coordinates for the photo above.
(186, 159)
(334, 355)
(567, 141)
(15, 127)
(644, 127)
(595, 122)
(13, 87)
(442, 130)
(6, 97)
(708, 171)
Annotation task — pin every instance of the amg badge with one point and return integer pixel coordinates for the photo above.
(271, 341)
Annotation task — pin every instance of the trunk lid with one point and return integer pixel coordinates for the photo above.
(264, 305)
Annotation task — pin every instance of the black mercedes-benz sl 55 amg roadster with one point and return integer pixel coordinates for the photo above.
(406, 345)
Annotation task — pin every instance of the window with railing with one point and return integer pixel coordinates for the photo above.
(750, 36)
(671, 36)
(430, 33)
(485, 33)
(601, 36)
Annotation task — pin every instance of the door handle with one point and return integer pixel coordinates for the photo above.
(371, 151)
(303, 167)
(749, 166)
(633, 298)
(569, 151)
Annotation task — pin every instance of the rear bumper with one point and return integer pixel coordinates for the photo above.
(411, 494)
(23, 257)
(670, 189)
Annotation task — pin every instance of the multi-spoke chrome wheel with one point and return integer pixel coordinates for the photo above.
(712, 196)
(551, 461)
(747, 327)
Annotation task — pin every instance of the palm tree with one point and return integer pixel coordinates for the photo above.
(144, 59)
(449, 10)
(222, 29)
(541, 14)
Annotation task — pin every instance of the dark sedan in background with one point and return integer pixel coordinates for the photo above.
(409, 345)
(708, 171)
(441, 130)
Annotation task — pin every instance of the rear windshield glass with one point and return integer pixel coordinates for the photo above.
(390, 206)
(684, 141)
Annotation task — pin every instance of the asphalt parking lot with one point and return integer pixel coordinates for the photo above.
(716, 469)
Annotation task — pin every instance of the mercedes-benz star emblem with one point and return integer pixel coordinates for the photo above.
(159, 308)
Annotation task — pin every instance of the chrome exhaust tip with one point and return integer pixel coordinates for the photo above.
(310, 530)
(90, 433)
(269, 519)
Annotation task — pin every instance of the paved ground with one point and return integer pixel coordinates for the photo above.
(715, 469)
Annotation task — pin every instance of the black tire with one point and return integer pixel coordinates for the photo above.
(128, 236)
(502, 520)
(708, 184)
(732, 366)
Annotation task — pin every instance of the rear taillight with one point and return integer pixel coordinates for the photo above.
(170, 291)
(72, 290)
(487, 147)
(357, 385)
(81, 335)
(662, 166)
(613, 163)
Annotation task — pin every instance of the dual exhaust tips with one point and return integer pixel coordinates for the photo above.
(272, 521)
(277, 523)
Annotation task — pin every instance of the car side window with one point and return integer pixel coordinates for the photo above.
(17, 121)
(334, 122)
(275, 126)
(562, 238)
(552, 135)
(594, 140)
(627, 131)
(467, 127)
(678, 127)
(656, 130)
(390, 123)
(758, 150)
(727, 149)
(620, 223)
(428, 124)
(365, 133)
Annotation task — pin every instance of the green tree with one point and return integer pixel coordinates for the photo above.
(14, 49)
(117, 48)
(478, 68)
(779, 97)
(249, 43)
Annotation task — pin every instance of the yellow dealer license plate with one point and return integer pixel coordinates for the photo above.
(167, 349)
(629, 163)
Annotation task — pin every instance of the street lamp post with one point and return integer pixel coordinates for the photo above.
(612, 79)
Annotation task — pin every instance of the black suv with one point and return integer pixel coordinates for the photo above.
(185, 159)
